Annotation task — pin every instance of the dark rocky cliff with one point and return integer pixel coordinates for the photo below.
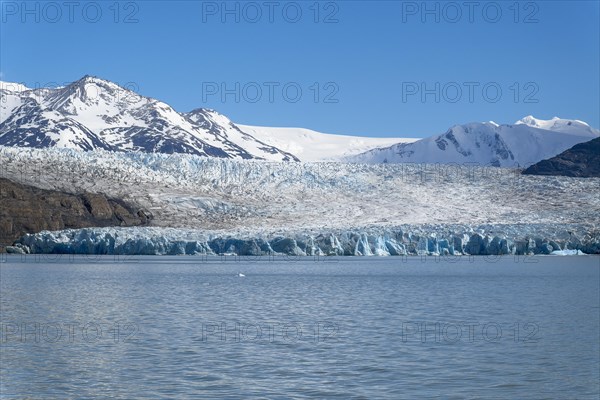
(581, 160)
(27, 209)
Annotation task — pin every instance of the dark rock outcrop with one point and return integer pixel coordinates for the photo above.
(27, 209)
(581, 160)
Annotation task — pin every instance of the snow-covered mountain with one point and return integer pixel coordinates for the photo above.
(527, 141)
(92, 113)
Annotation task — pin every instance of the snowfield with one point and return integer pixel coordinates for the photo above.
(309, 145)
(363, 206)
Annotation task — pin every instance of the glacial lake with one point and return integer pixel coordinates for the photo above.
(353, 327)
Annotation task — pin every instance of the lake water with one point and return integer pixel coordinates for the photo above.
(183, 327)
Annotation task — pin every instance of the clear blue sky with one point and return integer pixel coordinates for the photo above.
(372, 57)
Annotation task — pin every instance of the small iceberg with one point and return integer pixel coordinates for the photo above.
(568, 253)
(241, 275)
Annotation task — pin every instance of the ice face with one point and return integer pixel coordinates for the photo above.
(407, 240)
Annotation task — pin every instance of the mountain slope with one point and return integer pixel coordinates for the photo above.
(581, 160)
(31, 125)
(526, 142)
(221, 127)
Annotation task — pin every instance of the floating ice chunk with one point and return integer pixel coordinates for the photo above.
(568, 253)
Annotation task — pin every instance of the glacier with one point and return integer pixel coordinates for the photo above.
(203, 205)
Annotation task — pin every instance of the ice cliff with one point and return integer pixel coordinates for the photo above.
(407, 240)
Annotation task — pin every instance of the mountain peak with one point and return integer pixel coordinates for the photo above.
(545, 123)
(201, 110)
(531, 121)
(94, 80)
(556, 124)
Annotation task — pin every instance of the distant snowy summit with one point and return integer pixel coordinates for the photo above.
(559, 125)
(523, 143)
(92, 113)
